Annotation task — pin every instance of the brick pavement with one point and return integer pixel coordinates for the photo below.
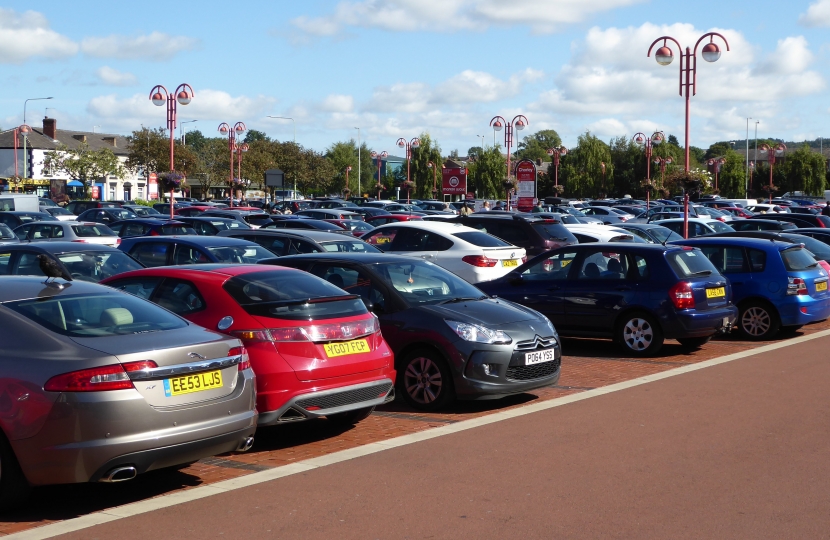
(587, 364)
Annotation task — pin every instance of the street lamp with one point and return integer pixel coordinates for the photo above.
(348, 170)
(602, 164)
(432, 166)
(159, 96)
(181, 129)
(379, 157)
(358, 161)
(498, 123)
(716, 164)
(772, 152)
(22, 129)
(688, 67)
(232, 132)
(24, 133)
(556, 153)
(414, 143)
(648, 143)
(241, 149)
(662, 161)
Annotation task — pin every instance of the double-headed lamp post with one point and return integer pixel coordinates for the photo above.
(348, 170)
(773, 152)
(240, 149)
(22, 129)
(432, 166)
(159, 96)
(414, 143)
(648, 144)
(556, 153)
(662, 162)
(378, 157)
(602, 164)
(716, 164)
(498, 123)
(688, 68)
(232, 132)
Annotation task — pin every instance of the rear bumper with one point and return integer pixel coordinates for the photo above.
(792, 312)
(691, 323)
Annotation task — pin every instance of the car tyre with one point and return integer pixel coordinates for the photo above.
(758, 321)
(350, 418)
(425, 381)
(14, 488)
(694, 342)
(639, 334)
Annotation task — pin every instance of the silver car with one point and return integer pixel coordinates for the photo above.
(87, 232)
(99, 386)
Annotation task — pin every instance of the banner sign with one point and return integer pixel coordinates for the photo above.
(526, 178)
(153, 186)
(454, 181)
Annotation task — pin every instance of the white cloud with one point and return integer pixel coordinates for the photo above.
(817, 15)
(113, 77)
(155, 46)
(337, 103)
(27, 35)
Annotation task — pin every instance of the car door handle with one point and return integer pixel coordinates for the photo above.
(427, 256)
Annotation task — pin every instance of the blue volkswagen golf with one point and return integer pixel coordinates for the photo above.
(637, 294)
(777, 285)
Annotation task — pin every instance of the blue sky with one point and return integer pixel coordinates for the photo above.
(396, 68)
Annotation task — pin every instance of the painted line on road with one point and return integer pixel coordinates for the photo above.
(166, 501)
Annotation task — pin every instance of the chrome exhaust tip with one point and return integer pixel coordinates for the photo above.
(119, 474)
(246, 444)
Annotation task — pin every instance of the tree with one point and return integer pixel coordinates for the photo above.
(673, 140)
(212, 164)
(474, 152)
(195, 140)
(254, 135)
(732, 175)
(84, 164)
(149, 151)
(536, 146)
(804, 170)
(420, 173)
(345, 154)
(583, 168)
(487, 174)
(718, 149)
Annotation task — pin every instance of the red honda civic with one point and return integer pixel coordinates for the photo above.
(315, 349)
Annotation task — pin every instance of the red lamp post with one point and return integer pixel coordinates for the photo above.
(238, 129)
(498, 123)
(556, 153)
(240, 149)
(751, 172)
(602, 164)
(716, 164)
(662, 161)
(348, 170)
(21, 129)
(159, 96)
(648, 144)
(432, 166)
(772, 152)
(688, 67)
(414, 143)
(378, 157)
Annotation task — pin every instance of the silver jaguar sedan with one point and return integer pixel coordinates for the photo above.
(97, 385)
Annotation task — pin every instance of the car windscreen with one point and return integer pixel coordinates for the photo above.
(58, 211)
(349, 246)
(797, 258)
(176, 229)
(97, 315)
(291, 295)
(421, 282)
(663, 235)
(720, 227)
(690, 263)
(554, 231)
(92, 231)
(240, 254)
(818, 248)
(122, 213)
(481, 239)
(97, 265)
(6, 233)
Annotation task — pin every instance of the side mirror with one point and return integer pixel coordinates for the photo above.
(514, 278)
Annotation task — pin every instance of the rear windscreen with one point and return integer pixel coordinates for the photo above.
(554, 231)
(174, 229)
(91, 231)
(797, 258)
(481, 239)
(690, 263)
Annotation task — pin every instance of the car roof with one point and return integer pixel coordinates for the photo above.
(193, 239)
(226, 269)
(757, 243)
(628, 224)
(201, 218)
(25, 287)
(311, 234)
(432, 226)
(57, 247)
(149, 221)
(691, 220)
(23, 213)
(365, 258)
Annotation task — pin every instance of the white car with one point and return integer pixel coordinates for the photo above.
(68, 231)
(469, 253)
(768, 208)
(697, 226)
(602, 233)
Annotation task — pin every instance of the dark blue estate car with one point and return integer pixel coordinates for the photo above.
(127, 228)
(777, 285)
(637, 294)
(152, 251)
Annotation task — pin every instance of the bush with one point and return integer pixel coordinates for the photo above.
(142, 202)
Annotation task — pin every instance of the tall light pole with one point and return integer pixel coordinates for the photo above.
(181, 129)
(159, 96)
(746, 168)
(379, 157)
(602, 164)
(24, 133)
(93, 128)
(348, 170)
(482, 141)
(755, 157)
(556, 153)
(498, 123)
(22, 129)
(432, 166)
(409, 145)
(648, 144)
(778, 150)
(232, 132)
(688, 67)
(240, 149)
(294, 195)
(359, 192)
(717, 164)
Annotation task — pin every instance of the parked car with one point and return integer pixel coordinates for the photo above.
(154, 251)
(150, 227)
(58, 212)
(765, 208)
(164, 208)
(471, 254)
(316, 350)
(650, 232)
(68, 231)
(332, 203)
(7, 236)
(79, 207)
(586, 234)
(368, 211)
(714, 213)
(819, 250)
(107, 216)
(608, 215)
(254, 218)
(303, 223)
(211, 226)
(762, 225)
(637, 294)
(534, 234)
(330, 213)
(16, 218)
(736, 212)
(450, 340)
(776, 285)
(439, 206)
(94, 377)
(697, 226)
(293, 242)
(356, 227)
(84, 262)
(802, 221)
(192, 211)
(145, 211)
(377, 221)
(820, 234)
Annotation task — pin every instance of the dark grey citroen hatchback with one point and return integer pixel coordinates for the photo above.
(450, 339)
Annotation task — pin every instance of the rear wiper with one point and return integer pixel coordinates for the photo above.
(462, 299)
(701, 273)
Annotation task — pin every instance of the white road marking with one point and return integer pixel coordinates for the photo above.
(166, 501)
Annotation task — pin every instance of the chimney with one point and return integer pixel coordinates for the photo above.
(81, 138)
(50, 127)
(111, 141)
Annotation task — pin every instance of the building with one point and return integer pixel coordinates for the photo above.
(49, 137)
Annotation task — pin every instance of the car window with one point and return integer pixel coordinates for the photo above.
(720, 227)
(555, 267)
(57, 231)
(346, 246)
(23, 231)
(690, 262)
(583, 239)
(420, 282)
(297, 247)
(5, 266)
(240, 254)
(179, 296)
(169, 230)
(664, 235)
(189, 255)
(91, 231)
(383, 238)
(274, 244)
(603, 265)
(28, 264)
(41, 232)
(641, 264)
(97, 265)
(797, 258)
(353, 282)
(482, 239)
(641, 234)
(757, 259)
(727, 259)
(142, 287)
(151, 254)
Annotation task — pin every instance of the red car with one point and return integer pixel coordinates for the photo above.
(192, 211)
(315, 349)
(357, 227)
(377, 221)
(735, 211)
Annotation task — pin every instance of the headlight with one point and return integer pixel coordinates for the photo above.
(478, 334)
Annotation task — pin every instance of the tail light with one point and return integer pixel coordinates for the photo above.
(118, 241)
(100, 379)
(313, 333)
(480, 261)
(80, 241)
(524, 259)
(682, 296)
(821, 224)
(245, 363)
(796, 287)
(153, 233)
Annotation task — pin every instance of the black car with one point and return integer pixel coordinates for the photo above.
(155, 251)
(283, 242)
(107, 216)
(249, 217)
(79, 207)
(16, 218)
(85, 262)
(802, 221)
(211, 226)
(450, 340)
(752, 224)
(145, 211)
(150, 227)
(818, 233)
(330, 213)
(369, 211)
(650, 232)
(306, 224)
(164, 208)
(535, 235)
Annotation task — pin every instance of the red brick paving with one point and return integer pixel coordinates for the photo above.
(587, 364)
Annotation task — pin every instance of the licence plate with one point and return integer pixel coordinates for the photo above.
(383, 240)
(347, 347)
(716, 293)
(539, 357)
(189, 384)
(510, 262)
(821, 286)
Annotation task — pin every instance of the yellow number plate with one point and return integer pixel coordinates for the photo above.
(192, 383)
(716, 293)
(383, 239)
(347, 347)
(821, 286)
(510, 262)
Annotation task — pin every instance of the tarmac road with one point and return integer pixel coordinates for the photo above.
(737, 450)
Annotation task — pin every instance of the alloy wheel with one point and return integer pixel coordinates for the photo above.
(638, 334)
(423, 380)
(756, 321)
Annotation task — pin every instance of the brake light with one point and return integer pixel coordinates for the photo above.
(312, 333)
(80, 241)
(796, 286)
(480, 261)
(524, 259)
(821, 224)
(245, 363)
(154, 233)
(141, 365)
(99, 379)
(118, 241)
(682, 296)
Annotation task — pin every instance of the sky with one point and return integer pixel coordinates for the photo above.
(397, 68)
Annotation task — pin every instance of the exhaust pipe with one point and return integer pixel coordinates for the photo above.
(245, 445)
(119, 474)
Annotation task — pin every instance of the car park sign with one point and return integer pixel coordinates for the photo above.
(454, 181)
(526, 177)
